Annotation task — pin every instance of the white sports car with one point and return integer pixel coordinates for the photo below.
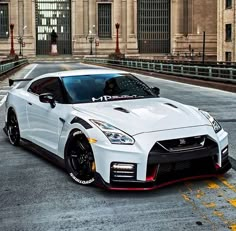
(110, 129)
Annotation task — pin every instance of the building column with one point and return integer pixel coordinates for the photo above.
(177, 19)
(135, 18)
(27, 21)
(92, 14)
(73, 18)
(132, 43)
(79, 29)
(124, 21)
(130, 19)
(85, 17)
(21, 17)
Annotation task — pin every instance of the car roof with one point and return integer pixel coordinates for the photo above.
(84, 72)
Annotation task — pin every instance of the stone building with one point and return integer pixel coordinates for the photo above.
(147, 27)
(226, 37)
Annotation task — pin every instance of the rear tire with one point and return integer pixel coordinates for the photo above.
(79, 159)
(13, 130)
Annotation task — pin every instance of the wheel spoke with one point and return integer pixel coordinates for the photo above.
(81, 146)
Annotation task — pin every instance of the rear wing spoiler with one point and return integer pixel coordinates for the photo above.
(12, 81)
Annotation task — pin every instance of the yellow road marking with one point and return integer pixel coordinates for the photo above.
(233, 227)
(185, 197)
(209, 204)
(226, 183)
(200, 194)
(212, 185)
(218, 213)
(232, 202)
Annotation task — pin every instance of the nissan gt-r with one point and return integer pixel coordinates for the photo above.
(108, 128)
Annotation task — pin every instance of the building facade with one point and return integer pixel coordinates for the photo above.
(226, 37)
(146, 27)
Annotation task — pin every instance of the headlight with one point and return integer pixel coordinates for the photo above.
(216, 126)
(115, 135)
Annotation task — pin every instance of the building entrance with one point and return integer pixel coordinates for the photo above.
(53, 15)
(154, 26)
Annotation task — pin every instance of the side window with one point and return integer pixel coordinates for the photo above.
(47, 85)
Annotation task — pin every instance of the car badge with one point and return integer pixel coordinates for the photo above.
(182, 141)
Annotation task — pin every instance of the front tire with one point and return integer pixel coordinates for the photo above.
(13, 130)
(79, 159)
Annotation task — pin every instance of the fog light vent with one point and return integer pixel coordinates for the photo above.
(123, 172)
(224, 154)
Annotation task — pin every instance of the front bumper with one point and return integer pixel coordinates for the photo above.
(170, 173)
(155, 168)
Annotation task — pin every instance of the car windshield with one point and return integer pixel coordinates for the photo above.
(105, 87)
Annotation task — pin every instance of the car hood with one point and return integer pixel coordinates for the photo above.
(143, 115)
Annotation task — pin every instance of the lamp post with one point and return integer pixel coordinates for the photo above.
(117, 51)
(12, 51)
(20, 41)
(91, 42)
(91, 37)
(203, 46)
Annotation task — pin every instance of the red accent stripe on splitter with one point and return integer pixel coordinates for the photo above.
(164, 184)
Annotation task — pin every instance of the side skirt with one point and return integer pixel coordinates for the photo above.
(43, 153)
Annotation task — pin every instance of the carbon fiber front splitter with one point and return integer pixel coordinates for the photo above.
(159, 182)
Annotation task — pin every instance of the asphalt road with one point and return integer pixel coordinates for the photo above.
(36, 195)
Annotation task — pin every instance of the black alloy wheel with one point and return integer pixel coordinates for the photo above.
(79, 159)
(13, 129)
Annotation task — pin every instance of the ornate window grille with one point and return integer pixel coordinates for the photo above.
(4, 21)
(104, 20)
(154, 26)
(53, 15)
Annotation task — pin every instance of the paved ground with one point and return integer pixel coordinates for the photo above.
(36, 195)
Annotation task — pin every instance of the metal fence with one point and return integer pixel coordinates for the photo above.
(11, 65)
(221, 74)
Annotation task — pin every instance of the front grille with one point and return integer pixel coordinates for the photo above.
(183, 144)
(182, 149)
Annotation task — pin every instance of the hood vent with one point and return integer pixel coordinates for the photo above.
(121, 109)
(171, 105)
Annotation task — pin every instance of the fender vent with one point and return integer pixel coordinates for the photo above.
(121, 109)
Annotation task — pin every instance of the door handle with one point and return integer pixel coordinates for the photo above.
(29, 103)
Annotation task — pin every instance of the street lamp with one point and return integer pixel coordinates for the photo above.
(91, 37)
(12, 51)
(20, 41)
(203, 44)
(117, 51)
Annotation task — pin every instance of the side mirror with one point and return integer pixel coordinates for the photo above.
(47, 98)
(156, 91)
